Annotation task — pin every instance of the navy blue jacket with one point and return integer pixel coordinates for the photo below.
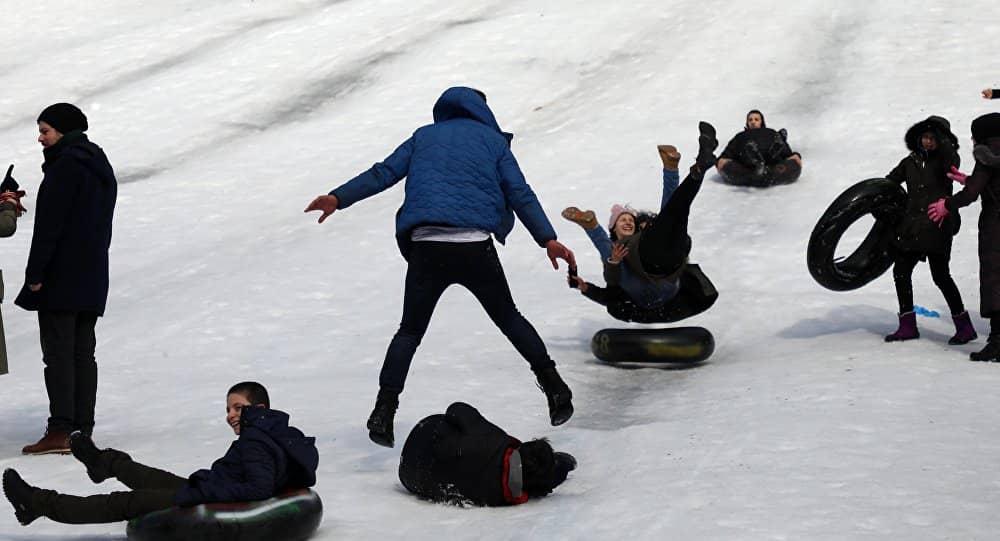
(72, 232)
(268, 457)
(460, 172)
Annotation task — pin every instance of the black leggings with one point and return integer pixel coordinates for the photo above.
(902, 274)
(664, 245)
(151, 490)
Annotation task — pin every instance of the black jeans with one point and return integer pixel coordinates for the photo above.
(68, 344)
(433, 266)
(902, 274)
(151, 490)
(664, 245)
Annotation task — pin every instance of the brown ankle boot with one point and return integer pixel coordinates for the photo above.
(584, 218)
(53, 441)
(671, 158)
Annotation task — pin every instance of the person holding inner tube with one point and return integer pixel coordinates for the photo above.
(268, 457)
(645, 254)
(933, 152)
(759, 156)
(984, 181)
(460, 457)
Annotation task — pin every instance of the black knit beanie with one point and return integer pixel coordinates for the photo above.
(64, 117)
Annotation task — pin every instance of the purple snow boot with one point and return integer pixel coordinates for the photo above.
(964, 331)
(907, 328)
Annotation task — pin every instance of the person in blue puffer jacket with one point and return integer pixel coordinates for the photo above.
(268, 457)
(463, 187)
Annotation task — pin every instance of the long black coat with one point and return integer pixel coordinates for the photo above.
(985, 181)
(926, 181)
(458, 457)
(72, 233)
(268, 457)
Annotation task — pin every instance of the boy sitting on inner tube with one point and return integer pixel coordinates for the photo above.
(268, 457)
(460, 457)
(759, 156)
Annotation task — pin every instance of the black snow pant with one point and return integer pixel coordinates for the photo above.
(68, 344)
(664, 245)
(433, 266)
(151, 490)
(902, 274)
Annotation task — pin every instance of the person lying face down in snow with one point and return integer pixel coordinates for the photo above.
(645, 256)
(759, 156)
(460, 457)
(268, 458)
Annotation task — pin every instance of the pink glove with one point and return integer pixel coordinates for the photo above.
(957, 175)
(937, 211)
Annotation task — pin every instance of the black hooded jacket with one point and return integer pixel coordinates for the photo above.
(460, 457)
(268, 457)
(924, 174)
(72, 232)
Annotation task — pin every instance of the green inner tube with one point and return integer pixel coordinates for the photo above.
(292, 516)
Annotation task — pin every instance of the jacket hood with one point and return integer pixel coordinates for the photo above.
(258, 422)
(464, 102)
(937, 125)
(986, 127)
(763, 121)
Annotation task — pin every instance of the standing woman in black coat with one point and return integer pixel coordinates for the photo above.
(66, 278)
(933, 152)
(984, 181)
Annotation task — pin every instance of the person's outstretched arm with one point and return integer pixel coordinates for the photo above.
(378, 178)
(991, 93)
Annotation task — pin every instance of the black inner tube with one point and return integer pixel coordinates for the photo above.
(883, 199)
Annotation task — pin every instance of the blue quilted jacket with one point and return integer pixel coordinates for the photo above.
(460, 172)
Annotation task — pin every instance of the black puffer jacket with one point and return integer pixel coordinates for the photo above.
(460, 457)
(924, 174)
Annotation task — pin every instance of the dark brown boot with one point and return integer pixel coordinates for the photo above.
(53, 441)
(670, 156)
(583, 218)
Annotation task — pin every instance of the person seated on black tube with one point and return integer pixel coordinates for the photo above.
(757, 153)
(269, 457)
(461, 458)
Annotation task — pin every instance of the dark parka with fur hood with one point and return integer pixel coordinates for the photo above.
(925, 175)
(985, 181)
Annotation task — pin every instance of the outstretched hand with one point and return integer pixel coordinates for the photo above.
(956, 175)
(618, 252)
(326, 203)
(988, 93)
(937, 211)
(555, 250)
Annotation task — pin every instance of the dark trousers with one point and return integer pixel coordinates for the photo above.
(902, 274)
(665, 244)
(68, 344)
(433, 266)
(151, 490)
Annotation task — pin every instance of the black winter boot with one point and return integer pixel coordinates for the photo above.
(19, 494)
(990, 353)
(558, 395)
(707, 143)
(380, 421)
(97, 461)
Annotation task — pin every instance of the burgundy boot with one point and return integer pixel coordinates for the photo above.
(964, 331)
(907, 328)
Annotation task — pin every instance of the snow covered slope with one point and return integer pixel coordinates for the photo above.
(224, 118)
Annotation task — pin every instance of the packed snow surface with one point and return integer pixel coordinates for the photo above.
(224, 118)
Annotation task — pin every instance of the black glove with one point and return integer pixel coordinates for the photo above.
(9, 184)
